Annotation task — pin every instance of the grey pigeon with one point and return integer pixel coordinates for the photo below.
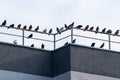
(104, 30)
(4, 23)
(30, 36)
(93, 44)
(86, 28)
(19, 25)
(97, 30)
(42, 46)
(117, 32)
(102, 45)
(37, 28)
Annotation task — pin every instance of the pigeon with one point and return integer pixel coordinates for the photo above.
(93, 44)
(24, 27)
(97, 30)
(19, 25)
(79, 26)
(61, 29)
(50, 31)
(74, 41)
(37, 28)
(66, 26)
(71, 25)
(42, 46)
(86, 28)
(32, 45)
(45, 31)
(11, 26)
(30, 27)
(91, 29)
(4, 23)
(102, 45)
(116, 33)
(66, 43)
(30, 36)
(109, 31)
(15, 42)
(104, 30)
(58, 30)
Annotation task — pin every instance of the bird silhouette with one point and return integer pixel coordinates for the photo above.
(37, 28)
(74, 41)
(11, 26)
(116, 33)
(30, 27)
(19, 25)
(58, 30)
(45, 31)
(104, 30)
(93, 44)
(66, 26)
(66, 43)
(71, 25)
(109, 31)
(97, 30)
(4, 23)
(30, 36)
(24, 27)
(50, 31)
(42, 46)
(102, 45)
(15, 42)
(32, 45)
(79, 26)
(91, 29)
(86, 28)
(61, 29)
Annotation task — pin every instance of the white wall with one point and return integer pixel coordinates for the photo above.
(86, 76)
(9, 75)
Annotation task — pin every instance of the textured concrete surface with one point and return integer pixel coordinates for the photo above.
(26, 60)
(54, 63)
(95, 61)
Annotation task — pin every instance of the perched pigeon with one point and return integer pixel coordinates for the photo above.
(4, 23)
(104, 30)
(32, 45)
(50, 31)
(102, 45)
(66, 43)
(24, 27)
(109, 31)
(11, 26)
(93, 44)
(97, 30)
(74, 41)
(30, 36)
(45, 31)
(30, 27)
(37, 28)
(79, 26)
(91, 29)
(117, 32)
(86, 28)
(58, 30)
(15, 42)
(42, 46)
(19, 25)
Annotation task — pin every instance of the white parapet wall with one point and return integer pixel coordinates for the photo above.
(86, 76)
(9, 75)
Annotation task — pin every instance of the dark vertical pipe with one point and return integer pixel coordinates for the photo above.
(23, 37)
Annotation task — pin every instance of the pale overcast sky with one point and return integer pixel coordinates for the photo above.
(55, 13)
